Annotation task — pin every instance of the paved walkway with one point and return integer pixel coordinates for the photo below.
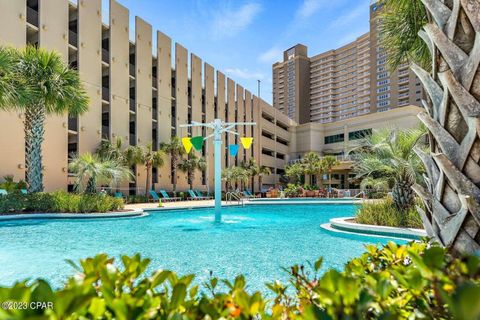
(176, 204)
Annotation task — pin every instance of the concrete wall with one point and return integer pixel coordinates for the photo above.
(196, 108)
(181, 67)
(209, 85)
(12, 33)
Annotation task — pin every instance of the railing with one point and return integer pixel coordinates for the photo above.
(232, 196)
(154, 82)
(105, 56)
(132, 104)
(73, 124)
(32, 16)
(133, 139)
(72, 38)
(105, 94)
(132, 70)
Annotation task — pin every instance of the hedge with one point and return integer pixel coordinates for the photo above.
(58, 202)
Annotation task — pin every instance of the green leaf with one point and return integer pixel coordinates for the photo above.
(97, 307)
(434, 257)
(178, 295)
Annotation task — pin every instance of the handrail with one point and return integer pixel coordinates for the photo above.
(231, 195)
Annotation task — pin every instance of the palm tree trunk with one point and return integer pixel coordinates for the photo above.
(253, 183)
(403, 196)
(452, 195)
(174, 173)
(34, 128)
(91, 187)
(191, 178)
(260, 182)
(149, 179)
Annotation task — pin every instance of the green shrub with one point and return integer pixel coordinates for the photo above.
(58, 202)
(384, 213)
(413, 281)
(10, 185)
(292, 190)
(138, 198)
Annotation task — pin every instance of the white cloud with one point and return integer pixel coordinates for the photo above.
(244, 74)
(272, 55)
(351, 16)
(308, 8)
(229, 21)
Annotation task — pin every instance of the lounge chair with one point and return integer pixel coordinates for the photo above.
(252, 195)
(154, 196)
(118, 195)
(166, 197)
(3, 192)
(24, 191)
(193, 196)
(201, 195)
(246, 194)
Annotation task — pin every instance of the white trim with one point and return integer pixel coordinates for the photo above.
(28, 216)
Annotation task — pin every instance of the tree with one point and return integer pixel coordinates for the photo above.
(452, 192)
(175, 149)
(253, 169)
(232, 175)
(108, 150)
(328, 162)
(191, 164)
(264, 171)
(294, 172)
(401, 20)
(388, 157)
(146, 156)
(90, 171)
(45, 86)
(312, 165)
(7, 90)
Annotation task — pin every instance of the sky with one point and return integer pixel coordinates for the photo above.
(243, 38)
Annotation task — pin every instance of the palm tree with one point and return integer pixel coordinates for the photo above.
(190, 165)
(90, 171)
(115, 150)
(264, 171)
(45, 86)
(147, 157)
(7, 90)
(312, 165)
(387, 157)
(294, 172)
(328, 162)
(175, 149)
(452, 192)
(401, 20)
(253, 169)
(232, 175)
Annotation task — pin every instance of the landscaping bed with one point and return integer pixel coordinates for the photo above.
(59, 202)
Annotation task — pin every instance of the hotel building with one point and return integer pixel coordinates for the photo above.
(142, 91)
(339, 84)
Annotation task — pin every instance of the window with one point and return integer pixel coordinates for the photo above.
(359, 134)
(335, 138)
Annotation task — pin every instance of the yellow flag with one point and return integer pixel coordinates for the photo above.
(246, 142)
(187, 144)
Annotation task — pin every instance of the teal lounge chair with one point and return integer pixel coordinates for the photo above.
(166, 197)
(3, 192)
(119, 195)
(154, 196)
(24, 191)
(193, 196)
(247, 194)
(201, 195)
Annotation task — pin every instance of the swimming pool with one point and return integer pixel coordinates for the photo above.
(255, 240)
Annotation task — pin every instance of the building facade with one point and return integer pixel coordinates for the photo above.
(142, 93)
(347, 82)
(139, 92)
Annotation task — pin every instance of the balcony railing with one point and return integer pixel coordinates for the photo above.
(132, 70)
(72, 38)
(32, 16)
(154, 82)
(105, 132)
(105, 56)
(133, 139)
(73, 124)
(105, 94)
(132, 104)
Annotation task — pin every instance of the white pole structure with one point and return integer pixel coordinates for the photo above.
(218, 127)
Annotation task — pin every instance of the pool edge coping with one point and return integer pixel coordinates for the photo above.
(38, 216)
(342, 225)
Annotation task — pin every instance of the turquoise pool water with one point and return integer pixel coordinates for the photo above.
(254, 240)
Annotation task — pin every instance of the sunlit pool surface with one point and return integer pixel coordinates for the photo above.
(254, 240)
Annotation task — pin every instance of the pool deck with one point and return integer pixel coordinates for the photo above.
(27, 216)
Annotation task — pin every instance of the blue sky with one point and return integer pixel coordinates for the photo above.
(243, 38)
